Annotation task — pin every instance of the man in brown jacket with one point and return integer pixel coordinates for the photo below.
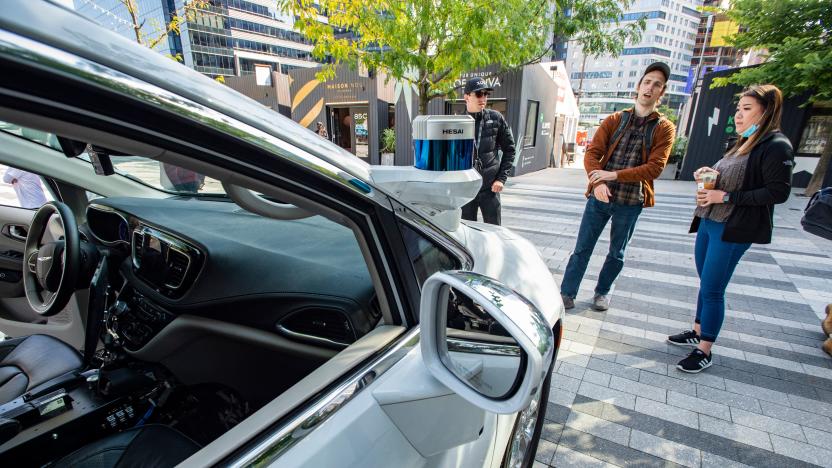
(628, 151)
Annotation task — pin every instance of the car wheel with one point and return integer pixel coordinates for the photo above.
(527, 429)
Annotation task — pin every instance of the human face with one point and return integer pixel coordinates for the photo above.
(476, 101)
(650, 89)
(749, 112)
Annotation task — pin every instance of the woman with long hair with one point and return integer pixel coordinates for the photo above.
(752, 177)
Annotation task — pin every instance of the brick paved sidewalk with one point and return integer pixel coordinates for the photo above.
(617, 398)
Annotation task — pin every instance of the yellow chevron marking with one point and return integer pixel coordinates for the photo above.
(303, 92)
(312, 114)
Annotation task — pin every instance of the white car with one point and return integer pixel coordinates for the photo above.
(209, 283)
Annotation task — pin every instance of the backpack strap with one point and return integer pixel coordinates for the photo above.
(622, 124)
(648, 133)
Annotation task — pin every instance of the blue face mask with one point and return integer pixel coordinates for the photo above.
(749, 131)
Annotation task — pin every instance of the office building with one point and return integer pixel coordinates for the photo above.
(220, 38)
(607, 84)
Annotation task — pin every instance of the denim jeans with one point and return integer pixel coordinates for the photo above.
(596, 215)
(715, 263)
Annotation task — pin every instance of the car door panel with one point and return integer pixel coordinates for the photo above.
(11, 249)
(405, 417)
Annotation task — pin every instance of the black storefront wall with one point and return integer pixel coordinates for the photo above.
(713, 125)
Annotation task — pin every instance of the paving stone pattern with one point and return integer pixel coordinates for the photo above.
(617, 397)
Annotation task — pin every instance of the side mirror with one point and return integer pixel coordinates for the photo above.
(484, 341)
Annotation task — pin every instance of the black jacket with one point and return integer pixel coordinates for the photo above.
(496, 134)
(767, 182)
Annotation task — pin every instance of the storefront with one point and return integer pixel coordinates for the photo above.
(353, 109)
(527, 98)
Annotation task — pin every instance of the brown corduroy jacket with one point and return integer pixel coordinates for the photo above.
(601, 150)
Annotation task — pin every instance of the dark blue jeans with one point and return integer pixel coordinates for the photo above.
(596, 215)
(715, 263)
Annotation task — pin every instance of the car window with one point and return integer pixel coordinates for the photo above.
(427, 258)
(22, 189)
(161, 176)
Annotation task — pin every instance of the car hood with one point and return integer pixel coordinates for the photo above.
(502, 254)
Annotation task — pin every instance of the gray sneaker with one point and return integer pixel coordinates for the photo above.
(568, 302)
(601, 302)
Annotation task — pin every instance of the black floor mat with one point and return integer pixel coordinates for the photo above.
(203, 412)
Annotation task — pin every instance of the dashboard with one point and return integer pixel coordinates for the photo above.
(305, 280)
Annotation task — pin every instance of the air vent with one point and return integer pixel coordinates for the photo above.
(178, 264)
(136, 246)
(321, 326)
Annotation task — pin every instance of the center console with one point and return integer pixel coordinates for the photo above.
(37, 428)
(134, 319)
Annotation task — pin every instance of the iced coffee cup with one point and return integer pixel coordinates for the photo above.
(706, 180)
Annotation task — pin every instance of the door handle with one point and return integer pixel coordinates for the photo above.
(17, 232)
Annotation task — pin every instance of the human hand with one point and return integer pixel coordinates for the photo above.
(702, 169)
(497, 186)
(709, 197)
(602, 193)
(598, 175)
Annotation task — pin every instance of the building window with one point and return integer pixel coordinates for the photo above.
(631, 85)
(633, 73)
(530, 132)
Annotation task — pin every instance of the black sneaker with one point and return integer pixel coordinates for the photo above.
(568, 302)
(696, 362)
(687, 338)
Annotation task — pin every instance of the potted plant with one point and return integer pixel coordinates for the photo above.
(388, 146)
(677, 153)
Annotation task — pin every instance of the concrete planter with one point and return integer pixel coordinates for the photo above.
(388, 159)
(669, 172)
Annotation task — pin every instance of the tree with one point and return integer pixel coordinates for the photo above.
(429, 44)
(671, 114)
(796, 34)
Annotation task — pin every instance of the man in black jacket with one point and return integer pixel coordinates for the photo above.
(491, 132)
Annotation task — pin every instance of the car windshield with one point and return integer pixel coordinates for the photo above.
(158, 175)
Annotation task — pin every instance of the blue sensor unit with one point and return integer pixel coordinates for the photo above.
(443, 142)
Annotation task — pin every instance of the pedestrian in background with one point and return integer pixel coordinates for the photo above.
(491, 133)
(752, 177)
(321, 131)
(629, 150)
(27, 186)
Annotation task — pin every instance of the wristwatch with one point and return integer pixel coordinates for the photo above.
(726, 198)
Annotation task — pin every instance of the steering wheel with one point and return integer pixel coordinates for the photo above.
(51, 269)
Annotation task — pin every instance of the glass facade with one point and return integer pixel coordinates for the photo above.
(206, 39)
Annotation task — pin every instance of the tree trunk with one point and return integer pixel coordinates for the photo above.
(423, 98)
(580, 85)
(131, 8)
(823, 167)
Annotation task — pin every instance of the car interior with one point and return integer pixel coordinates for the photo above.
(146, 313)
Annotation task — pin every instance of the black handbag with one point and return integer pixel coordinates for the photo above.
(817, 217)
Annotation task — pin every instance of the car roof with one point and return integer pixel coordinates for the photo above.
(65, 29)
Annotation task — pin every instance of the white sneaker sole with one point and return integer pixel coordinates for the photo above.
(688, 345)
(679, 366)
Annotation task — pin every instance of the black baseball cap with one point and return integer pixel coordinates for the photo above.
(476, 84)
(660, 66)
